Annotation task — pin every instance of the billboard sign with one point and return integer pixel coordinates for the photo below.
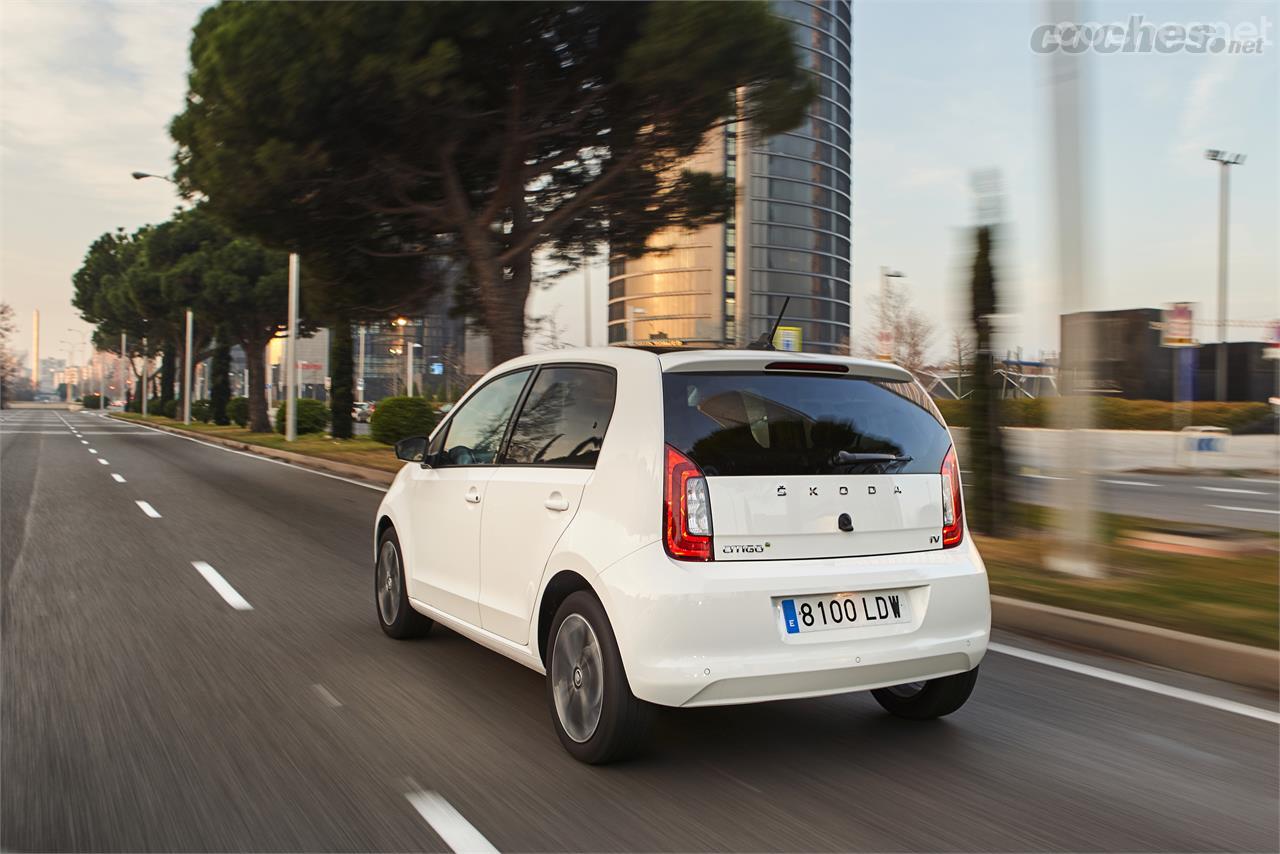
(1176, 330)
(787, 339)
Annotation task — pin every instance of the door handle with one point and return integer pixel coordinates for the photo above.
(556, 501)
(473, 496)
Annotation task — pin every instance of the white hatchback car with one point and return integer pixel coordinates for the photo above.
(691, 528)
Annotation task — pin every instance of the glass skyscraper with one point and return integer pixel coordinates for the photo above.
(788, 237)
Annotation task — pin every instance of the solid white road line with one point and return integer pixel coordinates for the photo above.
(1127, 482)
(148, 509)
(1235, 491)
(1246, 509)
(117, 478)
(1196, 697)
(263, 459)
(104, 462)
(218, 583)
(455, 830)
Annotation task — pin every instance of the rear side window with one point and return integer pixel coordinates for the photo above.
(564, 418)
(787, 424)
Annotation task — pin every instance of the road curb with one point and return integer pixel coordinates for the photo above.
(1219, 659)
(355, 472)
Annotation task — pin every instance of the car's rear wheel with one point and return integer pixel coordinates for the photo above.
(391, 597)
(595, 715)
(933, 698)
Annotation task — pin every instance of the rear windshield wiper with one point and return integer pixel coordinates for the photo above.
(848, 457)
(883, 461)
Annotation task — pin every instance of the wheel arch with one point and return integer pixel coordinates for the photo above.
(562, 585)
(384, 522)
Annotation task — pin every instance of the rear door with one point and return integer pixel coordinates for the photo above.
(803, 465)
(536, 491)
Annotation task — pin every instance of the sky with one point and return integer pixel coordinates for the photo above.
(941, 89)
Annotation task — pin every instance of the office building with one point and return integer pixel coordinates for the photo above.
(789, 236)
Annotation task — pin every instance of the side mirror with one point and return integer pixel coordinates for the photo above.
(412, 449)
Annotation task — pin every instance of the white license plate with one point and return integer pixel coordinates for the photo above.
(845, 610)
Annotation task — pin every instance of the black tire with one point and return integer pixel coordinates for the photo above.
(928, 700)
(624, 721)
(395, 614)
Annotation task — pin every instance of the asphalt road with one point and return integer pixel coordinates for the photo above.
(142, 710)
(1234, 502)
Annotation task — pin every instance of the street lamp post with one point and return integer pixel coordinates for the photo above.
(146, 391)
(884, 347)
(186, 375)
(291, 347)
(1225, 160)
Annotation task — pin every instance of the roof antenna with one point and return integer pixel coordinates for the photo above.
(765, 341)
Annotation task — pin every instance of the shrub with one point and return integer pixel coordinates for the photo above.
(201, 410)
(172, 408)
(238, 410)
(399, 417)
(313, 416)
(91, 401)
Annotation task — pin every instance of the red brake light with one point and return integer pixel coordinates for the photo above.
(952, 506)
(680, 476)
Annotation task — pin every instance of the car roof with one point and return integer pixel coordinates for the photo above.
(671, 360)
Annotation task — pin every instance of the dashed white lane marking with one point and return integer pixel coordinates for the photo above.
(1127, 482)
(1196, 697)
(326, 695)
(104, 462)
(218, 583)
(455, 830)
(1045, 477)
(148, 509)
(1246, 509)
(117, 478)
(92, 451)
(1234, 491)
(84, 441)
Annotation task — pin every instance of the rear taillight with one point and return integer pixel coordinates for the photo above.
(686, 508)
(952, 507)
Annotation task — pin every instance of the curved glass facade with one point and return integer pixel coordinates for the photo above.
(790, 233)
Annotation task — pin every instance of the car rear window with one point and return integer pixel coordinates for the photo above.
(743, 424)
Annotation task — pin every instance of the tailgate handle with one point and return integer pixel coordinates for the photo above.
(556, 501)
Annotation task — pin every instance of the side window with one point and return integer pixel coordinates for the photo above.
(475, 431)
(564, 418)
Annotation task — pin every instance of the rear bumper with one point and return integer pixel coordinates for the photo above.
(701, 634)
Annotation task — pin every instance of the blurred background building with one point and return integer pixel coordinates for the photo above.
(790, 235)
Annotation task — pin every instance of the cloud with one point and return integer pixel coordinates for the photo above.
(88, 89)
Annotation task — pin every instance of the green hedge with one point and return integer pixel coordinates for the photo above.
(313, 416)
(91, 401)
(201, 410)
(238, 411)
(1119, 414)
(172, 408)
(396, 418)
